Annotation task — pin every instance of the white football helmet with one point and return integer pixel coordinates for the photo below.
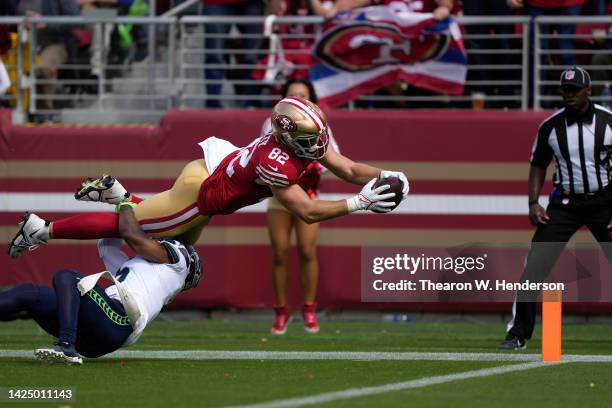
(302, 126)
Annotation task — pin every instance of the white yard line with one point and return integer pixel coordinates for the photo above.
(400, 386)
(530, 361)
(326, 355)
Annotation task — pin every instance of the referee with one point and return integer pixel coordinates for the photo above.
(579, 139)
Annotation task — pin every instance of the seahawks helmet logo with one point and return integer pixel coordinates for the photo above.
(286, 123)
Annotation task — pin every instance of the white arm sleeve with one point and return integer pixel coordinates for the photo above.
(109, 250)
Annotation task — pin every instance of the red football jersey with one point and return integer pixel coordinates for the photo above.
(245, 176)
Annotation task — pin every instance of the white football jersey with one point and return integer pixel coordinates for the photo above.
(152, 285)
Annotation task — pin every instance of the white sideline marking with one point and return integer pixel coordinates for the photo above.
(405, 385)
(327, 355)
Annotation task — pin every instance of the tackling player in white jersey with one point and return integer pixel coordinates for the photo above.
(91, 321)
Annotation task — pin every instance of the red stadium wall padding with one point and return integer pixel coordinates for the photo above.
(50, 159)
(421, 136)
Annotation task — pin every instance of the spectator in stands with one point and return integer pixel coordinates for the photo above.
(216, 42)
(280, 224)
(114, 44)
(595, 7)
(601, 44)
(440, 8)
(290, 55)
(535, 8)
(491, 8)
(53, 41)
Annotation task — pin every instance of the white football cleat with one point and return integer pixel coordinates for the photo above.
(59, 354)
(105, 189)
(33, 231)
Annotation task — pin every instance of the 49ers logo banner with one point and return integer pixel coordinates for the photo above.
(369, 48)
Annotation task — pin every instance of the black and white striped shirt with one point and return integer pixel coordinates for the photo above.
(582, 149)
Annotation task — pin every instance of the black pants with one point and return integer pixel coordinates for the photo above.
(567, 215)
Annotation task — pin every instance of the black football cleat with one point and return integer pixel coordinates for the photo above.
(512, 343)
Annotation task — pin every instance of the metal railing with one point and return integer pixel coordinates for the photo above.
(550, 56)
(177, 69)
(97, 81)
(510, 91)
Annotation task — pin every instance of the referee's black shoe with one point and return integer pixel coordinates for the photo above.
(512, 343)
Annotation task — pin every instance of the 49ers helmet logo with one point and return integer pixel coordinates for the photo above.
(286, 123)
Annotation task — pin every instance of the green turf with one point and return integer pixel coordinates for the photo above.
(215, 383)
(568, 385)
(178, 383)
(344, 336)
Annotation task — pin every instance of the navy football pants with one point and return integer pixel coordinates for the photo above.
(95, 323)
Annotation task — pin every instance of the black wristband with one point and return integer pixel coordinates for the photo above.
(532, 202)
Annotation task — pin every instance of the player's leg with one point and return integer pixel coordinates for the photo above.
(309, 271)
(38, 301)
(280, 223)
(68, 301)
(170, 213)
(175, 213)
(34, 231)
(104, 189)
(103, 324)
(83, 322)
(548, 242)
(192, 235)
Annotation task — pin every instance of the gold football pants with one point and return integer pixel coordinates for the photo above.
(174, 213)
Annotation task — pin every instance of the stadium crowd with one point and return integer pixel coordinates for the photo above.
(249, 69)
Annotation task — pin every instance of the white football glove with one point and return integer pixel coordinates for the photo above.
(372, 200)
(402, 177)
(105, 189)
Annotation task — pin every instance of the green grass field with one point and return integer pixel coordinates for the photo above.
(258, 378)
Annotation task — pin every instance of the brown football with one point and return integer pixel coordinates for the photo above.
(396, 187)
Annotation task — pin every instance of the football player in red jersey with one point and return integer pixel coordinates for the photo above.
(226, 180)
(281, 222)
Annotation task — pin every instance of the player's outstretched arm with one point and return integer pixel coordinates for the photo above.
(310, 211)
(359, 173)
(347, 169)
(134, 236)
